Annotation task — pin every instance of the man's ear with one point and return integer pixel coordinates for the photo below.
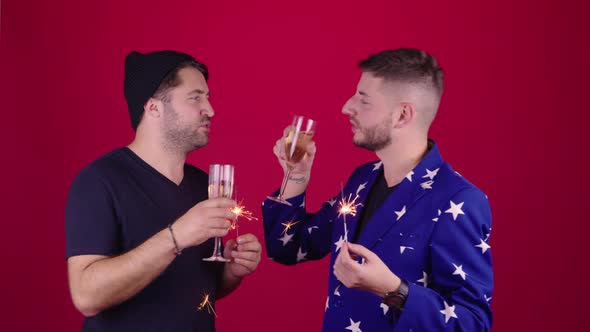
(153, 108)
(406, 115)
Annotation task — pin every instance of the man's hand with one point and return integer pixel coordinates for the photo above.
(245, 254)
(301, 171)
(209, 218)
(372, 275)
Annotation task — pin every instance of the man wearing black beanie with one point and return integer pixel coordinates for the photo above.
(138, 221)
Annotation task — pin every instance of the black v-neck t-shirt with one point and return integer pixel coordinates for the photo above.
(116, 204)
(379, 192)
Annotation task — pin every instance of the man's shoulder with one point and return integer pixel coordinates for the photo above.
(450, 181)
(111, 164)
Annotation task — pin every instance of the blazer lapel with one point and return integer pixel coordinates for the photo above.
(395, 207)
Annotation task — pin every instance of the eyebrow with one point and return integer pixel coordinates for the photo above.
(363, 94)
(199, 91)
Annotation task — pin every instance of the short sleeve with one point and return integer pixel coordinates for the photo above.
(91, 224)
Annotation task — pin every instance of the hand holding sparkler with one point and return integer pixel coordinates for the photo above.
(245, 252)
(371, 275)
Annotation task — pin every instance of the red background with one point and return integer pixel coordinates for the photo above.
(511, 121)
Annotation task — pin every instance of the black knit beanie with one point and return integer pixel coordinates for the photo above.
(144, 74)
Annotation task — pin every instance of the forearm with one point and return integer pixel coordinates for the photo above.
(110, 281)
(296, 184)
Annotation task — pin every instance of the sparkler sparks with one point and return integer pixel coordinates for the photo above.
(240, 211)
(288, 226)
(206, 303)
(347, 207)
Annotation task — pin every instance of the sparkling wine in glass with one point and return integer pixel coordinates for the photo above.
(300, 134)
(221, 184)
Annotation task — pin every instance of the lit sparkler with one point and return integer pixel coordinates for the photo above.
(240, 211)
(206, 303)
(347, 206)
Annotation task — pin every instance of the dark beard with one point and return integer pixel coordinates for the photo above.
(182, 138)
(375, 139)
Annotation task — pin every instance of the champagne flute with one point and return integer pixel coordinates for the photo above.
(221, 184)
(300, 134)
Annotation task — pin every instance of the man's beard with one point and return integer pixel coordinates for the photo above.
(374, 138)
(182, 137)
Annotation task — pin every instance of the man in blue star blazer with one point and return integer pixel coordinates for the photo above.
(415, 256)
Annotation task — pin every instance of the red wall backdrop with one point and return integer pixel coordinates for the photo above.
(512, 121)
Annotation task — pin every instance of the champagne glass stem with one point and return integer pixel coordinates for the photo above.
(217, 251)
(284, 184)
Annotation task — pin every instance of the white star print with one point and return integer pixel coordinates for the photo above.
(327, 303)
(361, 187)
(354, 327)
(488, 299)
(436, 219)
(400, 213)
(310, 229)
(424, 279)
(300, 255)
(484, 246)
(403, 248)
(336, 291)
(385, 308)
(459, 271)
(332, 201)
(427, 184)
(377, 165)
(302, 204)
(448, 311)
(339, 243)
(286, 238)
(458, 174)
(455, 209)
(409, 176)
(431, 174)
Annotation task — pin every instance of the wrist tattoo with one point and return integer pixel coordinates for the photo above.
(300, 179)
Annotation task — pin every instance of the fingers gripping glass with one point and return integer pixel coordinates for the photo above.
(300, 134)
(221, 184)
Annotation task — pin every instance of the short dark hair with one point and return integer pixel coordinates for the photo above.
(172, 80)
(405, 65)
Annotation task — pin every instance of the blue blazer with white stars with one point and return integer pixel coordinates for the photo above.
(432, 231)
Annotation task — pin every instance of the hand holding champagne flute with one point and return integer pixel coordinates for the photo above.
(221, 184)
(296, 142)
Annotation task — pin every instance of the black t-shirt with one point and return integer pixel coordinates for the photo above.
(117, 203)
(379, 192)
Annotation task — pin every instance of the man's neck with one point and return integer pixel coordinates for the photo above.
(400, 158)
(166, 162)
